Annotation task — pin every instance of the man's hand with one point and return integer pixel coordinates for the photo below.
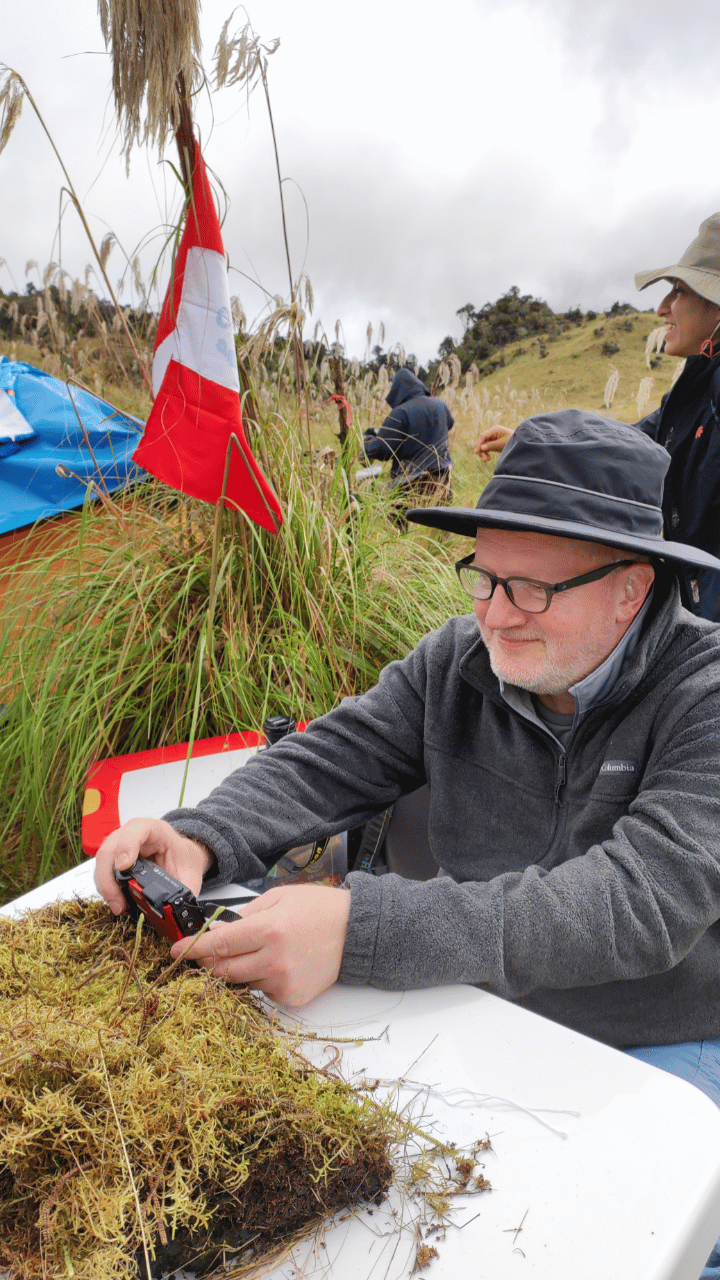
(289, 943)
(152, 838)
(492, 441)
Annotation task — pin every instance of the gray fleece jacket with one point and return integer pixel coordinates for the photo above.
(583, 884)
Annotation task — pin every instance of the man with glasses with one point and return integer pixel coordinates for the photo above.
(572, 752)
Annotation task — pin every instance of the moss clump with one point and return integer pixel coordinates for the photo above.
(152, 1117)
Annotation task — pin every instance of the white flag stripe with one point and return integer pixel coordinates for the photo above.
(163, 355)
(202, 339)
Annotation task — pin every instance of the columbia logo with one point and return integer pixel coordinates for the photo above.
(618, 766)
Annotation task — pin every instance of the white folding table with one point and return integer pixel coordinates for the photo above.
(602, 1168)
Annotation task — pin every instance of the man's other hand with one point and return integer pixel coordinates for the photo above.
(492, 441)
(289, 943)
(182, 858)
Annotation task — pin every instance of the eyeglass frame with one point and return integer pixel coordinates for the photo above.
(551, 589)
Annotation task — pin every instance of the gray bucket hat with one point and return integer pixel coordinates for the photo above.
(699, 266)
(575, 475)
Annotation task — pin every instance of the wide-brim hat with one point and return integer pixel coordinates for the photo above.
(575, 475)
(699, 266)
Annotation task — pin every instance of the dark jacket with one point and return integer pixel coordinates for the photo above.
(415, 434)
(583, 882)
(688, 425)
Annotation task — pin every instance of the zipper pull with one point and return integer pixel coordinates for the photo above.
(561, 778)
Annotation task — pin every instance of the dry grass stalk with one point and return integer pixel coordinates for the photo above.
(107, 243)
(644, 396)
(11, 100)
(238, 58)
(307, 288)
(78, 207)
(238, 315)
(654, 344)
(611, 387)
(152, 46)
(455, 370)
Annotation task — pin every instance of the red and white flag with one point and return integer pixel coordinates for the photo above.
(195, 377)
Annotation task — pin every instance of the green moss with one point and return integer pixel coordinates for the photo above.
(150, 1113)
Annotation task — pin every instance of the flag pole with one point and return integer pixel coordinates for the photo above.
(185, 136)
(217, 529)
(234, 440)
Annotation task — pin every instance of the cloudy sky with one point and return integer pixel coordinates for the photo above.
(435, 154)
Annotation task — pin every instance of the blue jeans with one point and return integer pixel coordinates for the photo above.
(698, 1062)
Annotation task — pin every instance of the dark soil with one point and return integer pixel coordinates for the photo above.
(272, 1205)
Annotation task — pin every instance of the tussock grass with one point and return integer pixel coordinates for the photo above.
(160, 629)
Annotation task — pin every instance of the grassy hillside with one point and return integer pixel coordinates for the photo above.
(543, 374)
(573, 369)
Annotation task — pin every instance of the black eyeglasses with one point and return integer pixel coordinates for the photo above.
(525, 593)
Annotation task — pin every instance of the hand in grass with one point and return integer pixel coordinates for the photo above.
(492, 441)
(289, 943)
(152, 838)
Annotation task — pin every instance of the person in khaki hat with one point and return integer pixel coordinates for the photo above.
(699, 269)
(687, 423)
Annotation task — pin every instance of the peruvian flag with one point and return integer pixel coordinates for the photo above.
(195, 377)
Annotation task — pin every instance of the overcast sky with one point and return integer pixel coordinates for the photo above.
(444, 151)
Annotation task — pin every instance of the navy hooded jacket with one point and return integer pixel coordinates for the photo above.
(687, 424)
(415, 434)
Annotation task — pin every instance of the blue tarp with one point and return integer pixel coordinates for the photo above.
(30, 487)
